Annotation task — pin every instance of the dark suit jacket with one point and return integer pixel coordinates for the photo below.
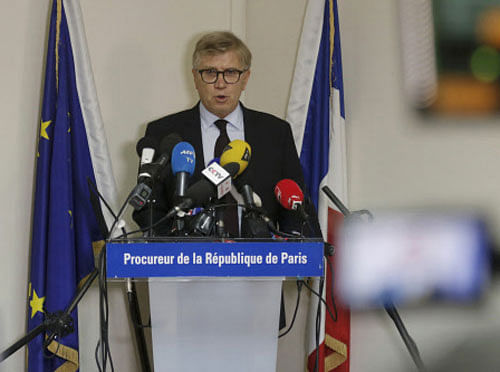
(274, 157)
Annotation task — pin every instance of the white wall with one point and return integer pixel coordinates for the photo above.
(23, 29)
(140, 56)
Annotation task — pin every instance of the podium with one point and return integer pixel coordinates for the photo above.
(214, 304)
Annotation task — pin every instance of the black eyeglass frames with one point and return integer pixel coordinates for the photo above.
(230, 76)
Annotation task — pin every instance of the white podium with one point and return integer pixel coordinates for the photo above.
(215, 325)
(215, 306)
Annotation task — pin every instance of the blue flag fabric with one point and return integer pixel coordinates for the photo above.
(64, 224)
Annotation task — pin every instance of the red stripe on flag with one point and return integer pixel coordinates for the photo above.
(340, 329)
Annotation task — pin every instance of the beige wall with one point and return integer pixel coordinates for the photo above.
(140, 55)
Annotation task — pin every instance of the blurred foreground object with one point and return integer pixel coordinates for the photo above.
(451, 56)
(404, 257)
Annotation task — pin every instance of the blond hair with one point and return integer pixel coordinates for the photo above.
(220, 42)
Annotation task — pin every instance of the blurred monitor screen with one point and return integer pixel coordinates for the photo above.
(408, 257)
(451, 55)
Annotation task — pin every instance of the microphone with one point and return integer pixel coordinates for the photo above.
(236, 151)
(247, 194)
(203, 223)
(200, 192)
(183, 163)
(146, 148)
(148, 172)
(151, 171)
(290, 196)
(254, 223)
(166, 146)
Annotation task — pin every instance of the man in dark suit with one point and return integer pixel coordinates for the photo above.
(221, 69)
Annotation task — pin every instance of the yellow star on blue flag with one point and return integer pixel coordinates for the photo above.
(36, 304)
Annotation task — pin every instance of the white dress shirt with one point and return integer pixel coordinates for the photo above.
(209, 132)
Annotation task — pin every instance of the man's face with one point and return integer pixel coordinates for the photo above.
(220, 98)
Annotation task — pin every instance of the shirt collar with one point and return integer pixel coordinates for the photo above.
(235, 118)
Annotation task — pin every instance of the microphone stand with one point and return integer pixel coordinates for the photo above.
(59, 323)
(133, 305)
(135, 315)
(389, 308)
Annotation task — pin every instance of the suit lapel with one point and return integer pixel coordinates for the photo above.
(251, 132)
(254, 139)
(192, 134)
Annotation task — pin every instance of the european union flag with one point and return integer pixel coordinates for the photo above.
(64, 224)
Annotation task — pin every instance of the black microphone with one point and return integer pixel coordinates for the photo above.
(254, 222)
(203, 190)
(146, 149)
(247, 194)
(203, 223)
(149, 171)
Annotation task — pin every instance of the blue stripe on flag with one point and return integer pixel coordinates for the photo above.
(337, 79)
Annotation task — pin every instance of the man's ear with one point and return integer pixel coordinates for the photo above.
(195, 77)
(244, 80)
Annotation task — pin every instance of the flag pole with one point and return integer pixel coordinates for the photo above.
(389, 308)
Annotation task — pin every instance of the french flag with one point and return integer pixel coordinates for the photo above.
(316, 114)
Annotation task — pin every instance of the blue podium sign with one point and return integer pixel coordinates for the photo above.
(214, 259)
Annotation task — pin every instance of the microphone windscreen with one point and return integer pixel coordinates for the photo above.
(146, 143)
(168, 142)
(200, 192)
(183, 158)
(232, 168)
(237, 151)
(288, 193)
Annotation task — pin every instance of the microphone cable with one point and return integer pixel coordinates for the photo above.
(332, 272)
(103, 342)
(321, 299)
(299, 290)
(94, 189)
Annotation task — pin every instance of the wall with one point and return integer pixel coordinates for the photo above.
(140, 56)
(21, 66)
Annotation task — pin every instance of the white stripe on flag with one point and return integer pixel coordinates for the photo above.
(304, 70)
(89, 104)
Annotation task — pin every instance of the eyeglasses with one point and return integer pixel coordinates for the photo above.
(231, 75)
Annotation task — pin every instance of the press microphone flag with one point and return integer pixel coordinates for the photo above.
(218, 176)
(200, 192)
